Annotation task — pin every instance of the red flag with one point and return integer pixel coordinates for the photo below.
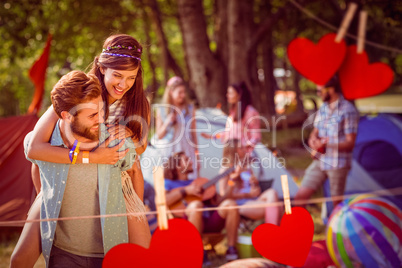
(37, 74)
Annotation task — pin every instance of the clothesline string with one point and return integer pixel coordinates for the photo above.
(387, 192)
(334, 28)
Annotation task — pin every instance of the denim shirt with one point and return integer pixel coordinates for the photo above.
(54, 178)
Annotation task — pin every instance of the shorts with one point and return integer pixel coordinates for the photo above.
(315, 177)
(213, 223)
(62, 259)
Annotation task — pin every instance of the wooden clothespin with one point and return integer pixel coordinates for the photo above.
(160, 197)
(346, 22)
(361, 36)
(286, 195)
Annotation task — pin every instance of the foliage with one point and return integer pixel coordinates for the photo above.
(80, 27)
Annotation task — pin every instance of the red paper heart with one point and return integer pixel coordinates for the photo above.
(359, 79)
(317, 63)
(288, 243)
(179, 246)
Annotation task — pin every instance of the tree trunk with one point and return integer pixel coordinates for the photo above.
(240, 24)
(299, 98)
(221, 30)
(151, 90)
(206, 71)
(269, 79)
(168, 60)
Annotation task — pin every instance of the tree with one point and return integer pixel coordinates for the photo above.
(210, 43)
(206, 70)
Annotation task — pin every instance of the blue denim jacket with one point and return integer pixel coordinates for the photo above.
(111, 200)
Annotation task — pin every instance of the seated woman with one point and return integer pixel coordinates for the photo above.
(242, 186)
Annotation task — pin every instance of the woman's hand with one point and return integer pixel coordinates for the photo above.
(119, 131)
(236, 173)
(108, 155)
(255, 191)
(253, 180)
(171, 118)
(206, 135)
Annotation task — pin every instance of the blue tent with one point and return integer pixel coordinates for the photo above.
(377, 157)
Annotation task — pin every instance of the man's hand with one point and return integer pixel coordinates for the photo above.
(193, 189)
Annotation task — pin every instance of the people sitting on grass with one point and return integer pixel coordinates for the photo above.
(178, 187)
(243, 186)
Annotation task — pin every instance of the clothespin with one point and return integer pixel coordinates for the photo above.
(160, 198)
(286, 195)
(346, 22)
(361, 36)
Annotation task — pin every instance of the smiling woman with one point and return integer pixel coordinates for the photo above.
(119, 72)
(118, 82)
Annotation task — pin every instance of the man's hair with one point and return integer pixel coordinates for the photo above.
(334, 82)
(173, 163)
(72, 89)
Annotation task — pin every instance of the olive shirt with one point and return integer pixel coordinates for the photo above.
(111, 201)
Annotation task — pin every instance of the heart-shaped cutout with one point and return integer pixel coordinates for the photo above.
(317, 63)
(359, 79)
(179, 246)
(288, 243)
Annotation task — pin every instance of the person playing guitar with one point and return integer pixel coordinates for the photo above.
(242, 186)
(178, 187)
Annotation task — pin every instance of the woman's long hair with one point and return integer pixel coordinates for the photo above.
(136, 105)
(171, 85)
(245, 100)
(173, 163)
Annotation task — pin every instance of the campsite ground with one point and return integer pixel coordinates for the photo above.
(290, 146)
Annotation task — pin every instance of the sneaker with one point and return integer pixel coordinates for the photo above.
(231, 254)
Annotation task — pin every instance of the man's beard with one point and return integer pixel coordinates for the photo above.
(189, 169)
(84, 132)
(327, 98)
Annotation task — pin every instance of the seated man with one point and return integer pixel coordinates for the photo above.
(178, 186)
(245, 187)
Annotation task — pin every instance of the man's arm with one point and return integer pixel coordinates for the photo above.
(174, 196)
(178, 194)
(350, 125)
(314, 141)
(345, 146)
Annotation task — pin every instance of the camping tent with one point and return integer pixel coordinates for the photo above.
(212, 120)
(377, 157)
(16, 187)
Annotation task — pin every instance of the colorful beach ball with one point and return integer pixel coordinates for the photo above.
(365, 231)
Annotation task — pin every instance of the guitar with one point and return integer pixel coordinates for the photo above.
(315, 154)
(208, 191)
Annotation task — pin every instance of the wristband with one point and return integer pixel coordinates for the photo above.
(76, 152)
(85, 157)
(71, 153)
(183, 192)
